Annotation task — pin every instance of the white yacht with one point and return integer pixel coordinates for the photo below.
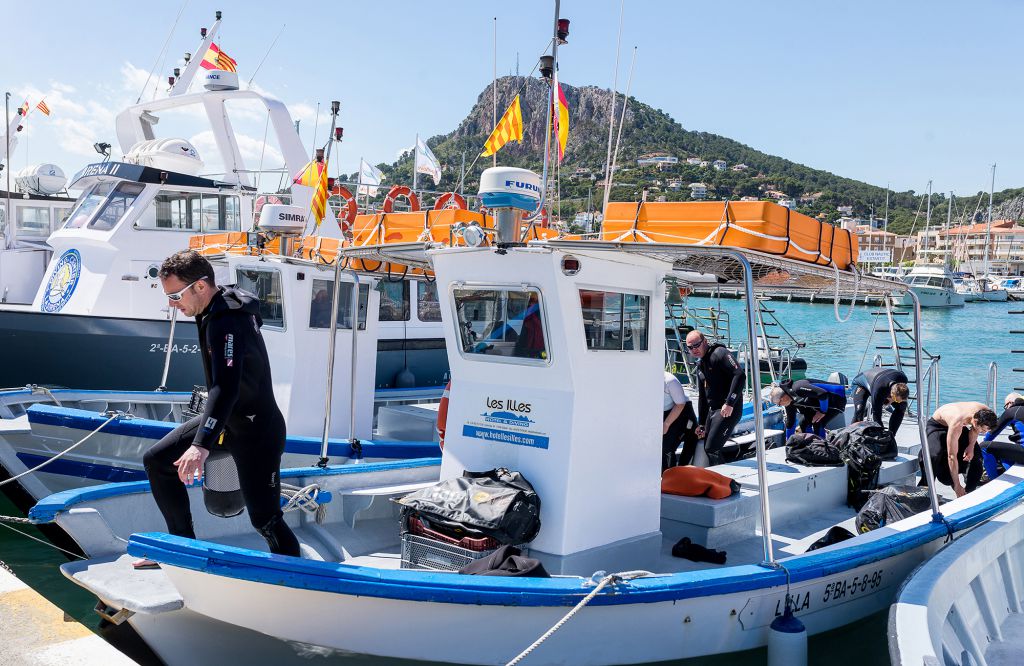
(934, 286)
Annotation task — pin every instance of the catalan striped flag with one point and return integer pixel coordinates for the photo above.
(217, 59)
(560, 115)
(314, 175)
(509, 128)
(43, 108)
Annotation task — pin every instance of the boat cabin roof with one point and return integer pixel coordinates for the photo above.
(108, 171)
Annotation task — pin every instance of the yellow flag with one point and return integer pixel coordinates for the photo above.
(509, 128)
(315, 175)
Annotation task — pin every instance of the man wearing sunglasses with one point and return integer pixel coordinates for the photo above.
(720, 398)
(240, 406)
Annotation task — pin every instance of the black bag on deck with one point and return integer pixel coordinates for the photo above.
(806, 448)
(890, 504)
(869, 434)
(862, 466)
(498, 503)
(835, 534)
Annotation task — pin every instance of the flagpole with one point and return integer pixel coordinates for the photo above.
(618, 137)
(415, 161)
(359, 186)
(494, 89)
(7, 168)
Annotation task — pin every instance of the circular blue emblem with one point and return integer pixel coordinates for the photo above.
(62, 282)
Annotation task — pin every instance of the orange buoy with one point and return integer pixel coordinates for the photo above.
(400, 191)
(450, 200)
(347, 213)
(442, 414)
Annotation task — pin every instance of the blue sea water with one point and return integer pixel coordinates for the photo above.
(967, 339)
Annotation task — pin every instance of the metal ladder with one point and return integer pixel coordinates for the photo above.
(779, 357)
(901, 346)
(676, 358)
(1018, 371)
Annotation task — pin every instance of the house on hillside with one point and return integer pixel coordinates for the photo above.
(845, 210)
(698, 191)
(749, 199)
(788, 203)
(660, 160)
(740, 167)
(693, 161)
(719, 165)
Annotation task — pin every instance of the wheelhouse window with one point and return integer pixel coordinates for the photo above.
(265, 285)
(427, 306)
(87, 204)
(320, 304)
(33, 220)
(394, 300)
(117, 204)
(614, 321)
(193, 212)
(171, 211)
(501, 323)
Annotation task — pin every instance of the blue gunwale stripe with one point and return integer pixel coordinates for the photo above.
(261, 567)
(47, 508)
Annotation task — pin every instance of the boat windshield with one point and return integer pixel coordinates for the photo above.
(117, 204)
(87, 204)
(501, 323)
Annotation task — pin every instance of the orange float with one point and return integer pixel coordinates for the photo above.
(347, 214)
(442, 414)
(400, 191)
(450, 200)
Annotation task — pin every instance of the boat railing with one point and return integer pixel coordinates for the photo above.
(992, 388)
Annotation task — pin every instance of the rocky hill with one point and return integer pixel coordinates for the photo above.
(648, 131)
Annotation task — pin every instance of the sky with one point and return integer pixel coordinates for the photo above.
(891, 93)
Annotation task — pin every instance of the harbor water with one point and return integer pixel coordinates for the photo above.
(967, 339)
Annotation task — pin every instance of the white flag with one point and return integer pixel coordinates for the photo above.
(426, 162)
(369, 178)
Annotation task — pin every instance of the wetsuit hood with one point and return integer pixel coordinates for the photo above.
(233, 298)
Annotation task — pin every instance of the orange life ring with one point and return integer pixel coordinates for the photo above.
(347, 213)
(442, 414)
(263, 200)
(544, 218)
(450, 200)
(400, 191)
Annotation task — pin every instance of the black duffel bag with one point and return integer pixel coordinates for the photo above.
(890, 504)
(868, 434)
(498, 503)
(805, 448)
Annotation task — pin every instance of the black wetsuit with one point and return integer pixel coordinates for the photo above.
(875, 385)
(720, 383)
(1005, 452)
(936, 446)
(811, 396)
(241, 406)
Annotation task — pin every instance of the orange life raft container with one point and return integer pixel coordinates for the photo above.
(754, 225)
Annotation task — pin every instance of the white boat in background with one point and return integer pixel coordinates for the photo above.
(934, 286)
(1014, 286)
(37, 204)
(890, 272)
(965, 605)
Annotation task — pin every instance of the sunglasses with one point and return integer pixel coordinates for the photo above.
(694, 345)
(176, 296)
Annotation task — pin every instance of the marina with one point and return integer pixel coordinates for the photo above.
(256, 407)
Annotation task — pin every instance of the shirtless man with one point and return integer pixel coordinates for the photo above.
(952, 444)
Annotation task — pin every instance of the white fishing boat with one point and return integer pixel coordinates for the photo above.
(559, 410)
(934, 287)
(964, 605)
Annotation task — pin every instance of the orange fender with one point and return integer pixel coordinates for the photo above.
(442, 414)
(696, 481)
(400, 191)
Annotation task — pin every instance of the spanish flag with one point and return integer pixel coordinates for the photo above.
(509, 128)
(314, 175)
(560, 115)
(43, 108)
(217, 59)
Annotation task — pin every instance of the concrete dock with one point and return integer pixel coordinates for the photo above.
(34, 632)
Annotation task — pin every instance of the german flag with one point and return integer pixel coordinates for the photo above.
(509, 128)
(217, 59)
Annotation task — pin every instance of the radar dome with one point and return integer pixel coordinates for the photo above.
(509, 187)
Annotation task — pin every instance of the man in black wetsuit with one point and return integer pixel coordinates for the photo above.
(1008, 453)
(880, 387)
(818, 403)
(240, 407)
(720, 397)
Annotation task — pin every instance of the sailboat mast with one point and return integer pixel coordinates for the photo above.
(949, 220)
(927, 219)
(988, 225)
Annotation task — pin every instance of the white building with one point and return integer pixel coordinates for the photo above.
(845, 210)
(660, 161)
(698, 191)
(693, 161)
(719, 165)
(788, 203)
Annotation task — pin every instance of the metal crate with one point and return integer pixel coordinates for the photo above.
(420, 552)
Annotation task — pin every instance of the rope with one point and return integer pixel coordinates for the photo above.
(605, 581)
(853, 299)
(113, 415)
(29, 536)
(304, 498)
